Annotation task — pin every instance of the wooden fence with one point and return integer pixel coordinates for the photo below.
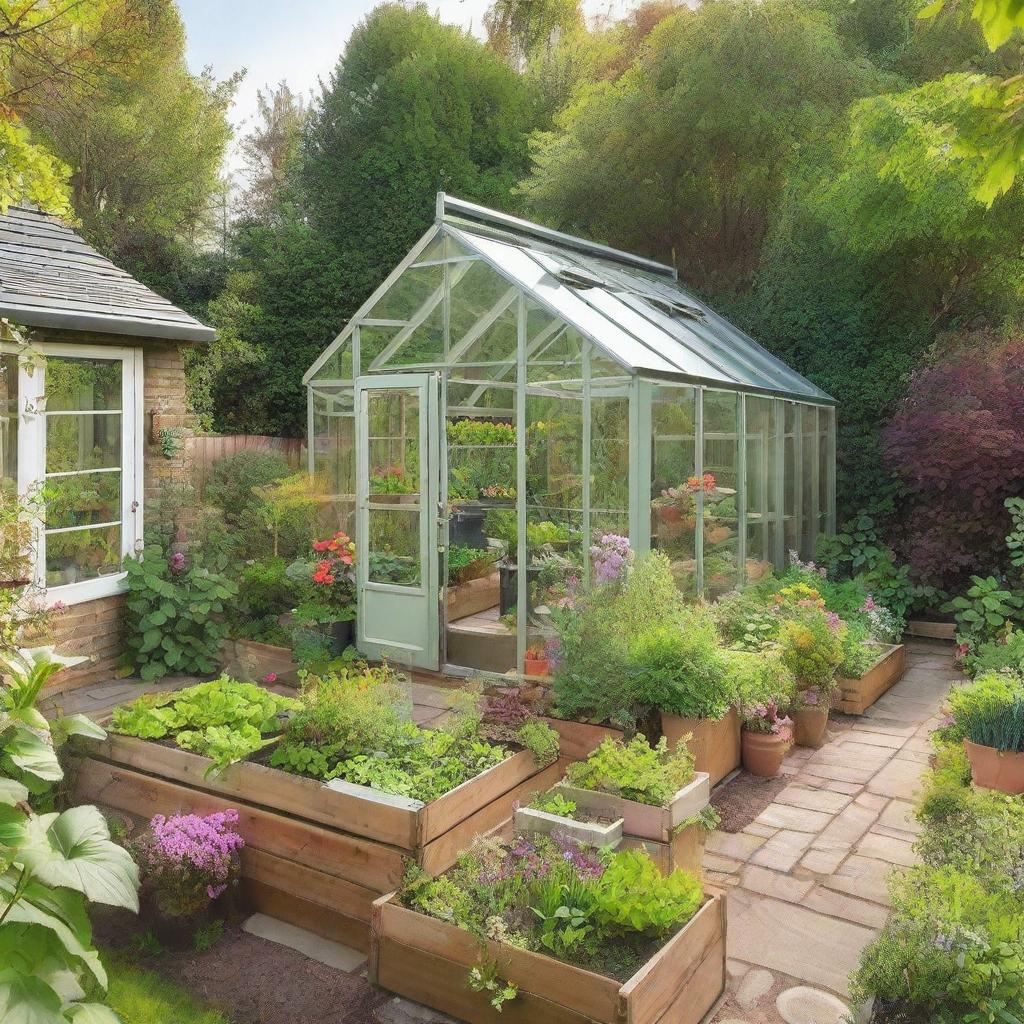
(203, 451)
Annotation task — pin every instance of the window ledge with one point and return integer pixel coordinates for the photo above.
(87, 590)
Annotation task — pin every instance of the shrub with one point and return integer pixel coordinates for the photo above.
(232, 479)
(760, 677)
(983, 707)
(1000, 655)
(540, 739)
(986, 610)
(634, 770)
(175, 619)
(858, 652)
(811, 647)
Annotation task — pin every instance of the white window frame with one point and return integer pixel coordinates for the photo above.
(32, 456)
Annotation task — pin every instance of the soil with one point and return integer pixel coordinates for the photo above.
(744, 797)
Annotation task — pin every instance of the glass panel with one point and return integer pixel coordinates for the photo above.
(86, 441)
(720, 484)
(82, 555)
(394, 444)
(478, 297)
(334, 453)
(553, 350)
(761, 486)
(416, 346)
(609, 461)
(495, 344)
(83, 499)
(394, 546)
(372, 342)
(809, 488)
(824, 430)
(673, 508)
(415, 299)
(8, 423)
(79, 385)
(339, 365)
(791, 480)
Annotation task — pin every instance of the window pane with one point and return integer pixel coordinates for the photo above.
(809, 481)
(83, 499)
(609, 460)
(82, 442)
(394, 440)
(673, 509)
(82, 555)
(394, 546)
(791, 480)
(721, 465)
(8, 422)
(82, 384)
(761, 486)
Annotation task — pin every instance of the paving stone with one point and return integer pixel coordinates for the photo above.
(754, 829)
(799, 819)
(813, 799)
(895, 851)
(823, 862)
(872, 801)
(899, 815)
(783, 850)
(846, 908)
(726, 865)
(756, 984)
(839, 772)
(736, 968)
(897, 779)
(832, 785)
(875, 739)
(904, 729)
(846, 828)
(720, 878)
(855, 755)
(333, 954)
(779, 936)
(862, 877)
(737, 845)
(774, 883)
(917, 756)
(804, 1005)
(402, 1011)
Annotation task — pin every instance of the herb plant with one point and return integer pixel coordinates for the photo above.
(554, 803)
(635, 770)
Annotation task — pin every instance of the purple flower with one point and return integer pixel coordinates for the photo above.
(609, 557)
(834, 621)
(177, 562)
(811, 697)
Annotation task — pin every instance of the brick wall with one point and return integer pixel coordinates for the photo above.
(94, 627)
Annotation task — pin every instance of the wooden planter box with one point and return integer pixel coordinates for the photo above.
(684, 850)
(316, 855)
(428, 960)
(644, 821)
(252, 661)
(714, 743)
(857, 695)
(472, 597)
(589, 833)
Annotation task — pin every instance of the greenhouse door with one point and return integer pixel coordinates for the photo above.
(397, 495)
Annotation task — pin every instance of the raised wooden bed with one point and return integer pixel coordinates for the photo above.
(252, 661)
(316, 855)
(684, 850)
(857, 695)
(470, 598)
(428, 960)
(714, 743)
(589, 833)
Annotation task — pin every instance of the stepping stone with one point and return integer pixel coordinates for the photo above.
(737, 845)
(875, 739)
(895, 851)
(897, 779)
(848, 826)
(333, 954)
(803, 1005)
(736, 968)
(841, 773)
(823, 862)
(783, 850)
(756, 984)
(772, 883)
(799, 819)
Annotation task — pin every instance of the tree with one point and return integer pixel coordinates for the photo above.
(685, 157)
(516, 29)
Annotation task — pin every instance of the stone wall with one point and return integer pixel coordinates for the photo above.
(94, 627)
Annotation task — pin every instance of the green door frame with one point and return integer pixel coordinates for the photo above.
(394, 620)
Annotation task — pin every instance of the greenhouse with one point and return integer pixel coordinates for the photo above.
(514, 397)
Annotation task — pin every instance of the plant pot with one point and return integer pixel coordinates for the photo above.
(466, 526)
(538, 667)
(809, 725)
(764, 752)
(509, 593)
(179, 932)
(343, 634)
(996, 769)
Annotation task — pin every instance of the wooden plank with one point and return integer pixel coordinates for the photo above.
(658, 984)
(932, 630)
(304, 914)
(362, 861)
(446, 812)
(384, 821)
(592, 995)
(701, 992)
(442, 853)
(577, 740)
(337, 894)
(857, 695)
(715, 744)
(437, 982)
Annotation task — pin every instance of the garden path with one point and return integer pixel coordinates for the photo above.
(807, 877)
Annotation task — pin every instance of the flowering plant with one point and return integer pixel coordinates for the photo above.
(767, 718)
(498, 491)
(392, 480)
(705, 483)
(609, 557)
(332, 576)
(188, 861)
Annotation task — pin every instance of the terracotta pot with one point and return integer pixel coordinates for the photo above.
(809, 725)
(996, 769)
(536, 666)
(670, 513)
(764, 752)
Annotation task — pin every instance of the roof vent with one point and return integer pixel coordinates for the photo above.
(577, 277)
(674, 307)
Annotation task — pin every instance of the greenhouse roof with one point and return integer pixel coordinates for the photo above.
(631, 307)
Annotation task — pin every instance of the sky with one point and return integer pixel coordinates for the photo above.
(298, 41)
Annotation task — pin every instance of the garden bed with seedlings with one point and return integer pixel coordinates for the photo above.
(334, 792)
(857, 695)
(541, 931)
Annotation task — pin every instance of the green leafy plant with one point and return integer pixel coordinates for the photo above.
(540, 739)
(465, 563)
(986, 610)
(175, 615)
(484, 977)
(565, 910)
(51, 866)
(859, 652)
(1003, 654)
(811, 647)
(1015, 539)
(480, 432)
(554, 803)
(633, 895)
(635, 770)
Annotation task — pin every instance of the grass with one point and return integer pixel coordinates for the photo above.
(139, 996)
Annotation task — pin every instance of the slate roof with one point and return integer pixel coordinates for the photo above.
(51, 277)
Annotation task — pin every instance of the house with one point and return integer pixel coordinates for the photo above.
(84, 412)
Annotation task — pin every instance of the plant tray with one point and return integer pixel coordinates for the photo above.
(857, 695)
(427, 960)
(714, 742)
(589, 833)
(317, 855)
(642, 821)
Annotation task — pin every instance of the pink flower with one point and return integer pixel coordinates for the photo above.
(58, 606)
(270, 677)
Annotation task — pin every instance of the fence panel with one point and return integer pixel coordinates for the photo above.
(206, 449)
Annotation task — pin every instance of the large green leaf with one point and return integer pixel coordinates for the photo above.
(25, 999)
(34, 754)
(12, 792)
(75, 725)
(13, 827)
(92, 1013)
(74, 850)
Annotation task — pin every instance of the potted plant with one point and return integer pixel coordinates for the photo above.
(393, 485)
(334, 586)
(988, 715)
(810, 718)
(536, 663)
(190, 866)
(767, 739)
(811, 646)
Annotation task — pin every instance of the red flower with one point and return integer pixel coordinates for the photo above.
(323, 573)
